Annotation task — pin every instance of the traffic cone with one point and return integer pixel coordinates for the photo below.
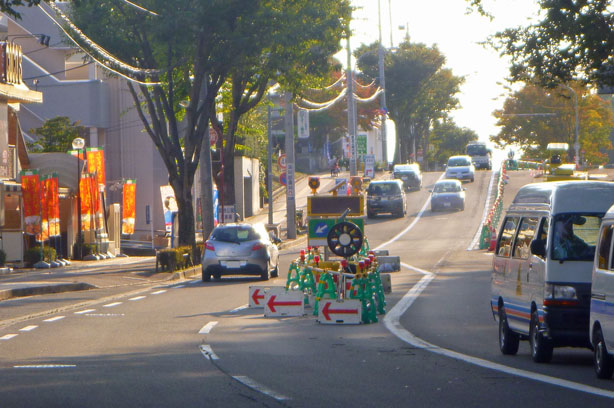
(493, 240)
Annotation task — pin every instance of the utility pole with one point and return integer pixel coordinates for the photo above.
(382, 81)
(206, 181)
(269, 183)
(290, 188)
(351, 106)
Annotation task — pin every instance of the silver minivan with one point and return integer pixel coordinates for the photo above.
(541, 278)
(602, 300)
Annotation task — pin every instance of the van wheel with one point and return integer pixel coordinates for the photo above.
(602, 361)
(541, 348)
(264, 275)
(508, 340)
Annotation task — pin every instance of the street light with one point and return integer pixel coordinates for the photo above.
(78, 144)
(576, 145)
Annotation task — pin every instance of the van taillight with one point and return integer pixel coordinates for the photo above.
(209, 246)
(257, 247)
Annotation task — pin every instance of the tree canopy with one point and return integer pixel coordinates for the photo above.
(56, 135)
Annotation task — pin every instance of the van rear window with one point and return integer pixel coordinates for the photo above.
(574, 236)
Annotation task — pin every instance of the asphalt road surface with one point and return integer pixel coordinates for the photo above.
(195, 344)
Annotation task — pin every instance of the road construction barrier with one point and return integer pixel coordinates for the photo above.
(494, 215)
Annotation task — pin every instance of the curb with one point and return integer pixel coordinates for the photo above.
(44, 290)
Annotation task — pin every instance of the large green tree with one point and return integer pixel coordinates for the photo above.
(186, 51)
(419, 91)
(447, 139)
(56, 135)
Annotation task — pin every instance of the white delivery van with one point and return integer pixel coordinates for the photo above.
(541, 278)
(602, 300)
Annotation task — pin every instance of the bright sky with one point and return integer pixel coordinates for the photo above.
(457, 35)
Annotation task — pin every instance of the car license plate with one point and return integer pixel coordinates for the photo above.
(446, 204)
(232, 264)
(404, 178)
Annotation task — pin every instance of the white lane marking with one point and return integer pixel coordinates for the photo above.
(392, 323)
(410, 226)
(104, 314)
(28, 328)
(178, 286)
(206, 350)
(137, 298)
(46, 366)
(206, 329)
(478, 233)
(8, 336)
(248, 382)
(158, 292)
(54, 319)
(238, 309)
(112, 304)
(85, 311)
(194, 282)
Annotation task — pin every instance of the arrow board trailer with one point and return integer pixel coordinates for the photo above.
(257, 295)
(331, 311)
(281, 303)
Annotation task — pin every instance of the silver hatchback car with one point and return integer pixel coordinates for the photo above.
(240, 249)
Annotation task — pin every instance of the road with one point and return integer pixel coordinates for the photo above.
(193, 344)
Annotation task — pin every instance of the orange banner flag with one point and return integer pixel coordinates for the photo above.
(95, 163)
(129, 207)
(30, 187)
(85, 191)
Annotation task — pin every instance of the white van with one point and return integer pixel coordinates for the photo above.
(602, 300)
(541, 279)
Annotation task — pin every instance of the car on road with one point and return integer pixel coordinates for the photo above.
(240, 249)
(447, 194)
(409, 174)
(461, 168)
(386, 196)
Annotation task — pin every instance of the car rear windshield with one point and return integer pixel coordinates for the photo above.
(384, 189)
(459, 161)
(446, 188)
(235, 234)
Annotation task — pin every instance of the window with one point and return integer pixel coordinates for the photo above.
(605, 244)
(526, 232)
(507, 235)
(575, 236)
(12, 212)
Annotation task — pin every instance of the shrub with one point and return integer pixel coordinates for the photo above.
(171, 259)
(33, 255)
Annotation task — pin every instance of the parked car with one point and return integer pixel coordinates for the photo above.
(461, 168)
(409, 174)
(240, 249)
(386, 196)
(447, 194)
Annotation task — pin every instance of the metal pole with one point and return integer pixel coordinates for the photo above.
(382, 84)
(269, 184)
(351, 116)
(79, 237)
(290, 188)
(577, 130)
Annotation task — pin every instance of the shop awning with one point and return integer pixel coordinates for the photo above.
(63, 164)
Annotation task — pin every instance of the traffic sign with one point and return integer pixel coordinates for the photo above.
(282, 178)
(331, 206)
(319, 227)
(279, 303)
(256, 296)
(282, 161)
(331, 311)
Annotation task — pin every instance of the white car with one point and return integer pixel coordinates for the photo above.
(447, 194)
(460, 168)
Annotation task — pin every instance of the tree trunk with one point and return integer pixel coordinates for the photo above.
(183, 196)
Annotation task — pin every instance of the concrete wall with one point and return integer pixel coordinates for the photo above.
(245, 167)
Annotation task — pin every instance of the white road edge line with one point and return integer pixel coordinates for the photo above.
(206, 329)
(248, 382)
(392, 323)
(46, 366)
(478, 233)
(206, 350)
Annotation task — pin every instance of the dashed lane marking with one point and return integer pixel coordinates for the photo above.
(28, 328)
(137, 298)
(46, 366)
(206, 329)
(206, 350)
(112, 304)
(54, 319)
(158, 292)
(8, 336)
(85, 311)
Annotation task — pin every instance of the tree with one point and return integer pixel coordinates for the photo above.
(9, 6)
(56, 135)
(182, 53)
(574, 41)
(448, 140)
(419, 90)
(535, 116)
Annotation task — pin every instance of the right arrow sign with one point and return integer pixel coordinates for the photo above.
(348, 311)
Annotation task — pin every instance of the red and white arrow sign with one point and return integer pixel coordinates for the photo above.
(279, 302)
(333, 312)
(272, 303)
(256, 297)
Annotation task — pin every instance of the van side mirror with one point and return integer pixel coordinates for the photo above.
(538, 247)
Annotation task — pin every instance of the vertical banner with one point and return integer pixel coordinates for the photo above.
(85, 187)
(170, 206)
(45, 206)
(129, 207)
(30, 187)
(302, 116)
(95, 163)
(53, 200)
